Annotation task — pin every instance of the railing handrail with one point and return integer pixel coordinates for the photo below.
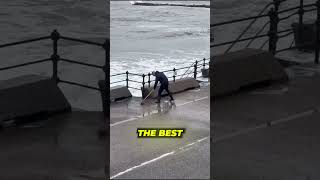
(55, 36)
(81, 41)
(274, 34)
(48, 37)
(24, 41)
(257, 16)
(148, 75)
(238, 20)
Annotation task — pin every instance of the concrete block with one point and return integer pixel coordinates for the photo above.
(116, 92)
(30, 95)
(179, 85)
(119, 92)
(306, 36)
(242, 68)
(205, 73)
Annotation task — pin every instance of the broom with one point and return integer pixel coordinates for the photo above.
(142, 102)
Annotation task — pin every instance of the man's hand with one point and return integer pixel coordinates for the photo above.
(156, 83)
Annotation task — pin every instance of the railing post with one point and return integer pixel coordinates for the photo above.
(273, 31)
(174, 75)
(300, 30)
(149, 79)
(143, 80)
(55, 57)
(106, 69)
(127, 78)
(276, 4)
(106, 111)
(204, 63)
(316, 60)
(195, 70)
(106, 100)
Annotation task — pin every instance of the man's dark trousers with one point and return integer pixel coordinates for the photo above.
(164, 86)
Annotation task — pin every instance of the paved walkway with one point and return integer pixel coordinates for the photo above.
(65, 147)
(270, 133)
(181, 158)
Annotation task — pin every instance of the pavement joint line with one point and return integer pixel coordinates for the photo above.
(196, 100)
(127, 120)
(154, 112)
(185, 147)
(264, 125)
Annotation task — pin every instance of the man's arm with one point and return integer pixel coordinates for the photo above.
(156, 83)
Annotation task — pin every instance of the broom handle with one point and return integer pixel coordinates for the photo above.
(148, 95)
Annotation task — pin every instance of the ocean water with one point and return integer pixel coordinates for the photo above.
(148, 38)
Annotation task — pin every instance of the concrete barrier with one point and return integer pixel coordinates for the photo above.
(306, 36)
(119, 92)
(31, 95)
(242, 68)
(205, 73)
(116, 92)
(179, 85)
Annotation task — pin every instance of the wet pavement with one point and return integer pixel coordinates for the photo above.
(145, 158)
(63, 147)
(67, 146)
(270, 132)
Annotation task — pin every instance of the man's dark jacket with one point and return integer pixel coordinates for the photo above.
(160, 77)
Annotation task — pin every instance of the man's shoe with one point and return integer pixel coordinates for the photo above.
(158, 102)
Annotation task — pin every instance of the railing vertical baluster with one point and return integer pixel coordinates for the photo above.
(276, 37)
(106, 109)
(127, 78)
(276, 4)
(204, 63)
(273, 31)
(106, 70)
(149, 79)
(174, 75)
(195, 69)
(300, 30)
(55, 57)
(143, 80)
(316, 60)
(271, 27)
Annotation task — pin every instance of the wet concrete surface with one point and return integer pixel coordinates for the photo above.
(126, 109)
(138, 158)
(271, 132)
(190, 163)
(63, 147)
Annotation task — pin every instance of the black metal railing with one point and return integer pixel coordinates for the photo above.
(55, 37)
(130, 80)
(137, 81)
(274, 35)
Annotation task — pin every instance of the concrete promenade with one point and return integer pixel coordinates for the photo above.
(180, 158)
(65, 147)
(270, 132)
